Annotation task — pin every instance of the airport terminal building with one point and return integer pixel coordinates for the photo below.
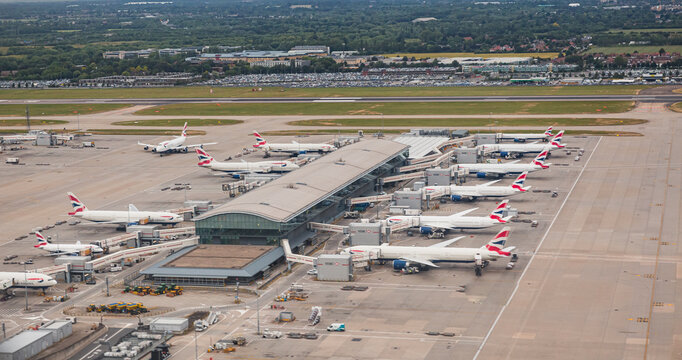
(279, 210)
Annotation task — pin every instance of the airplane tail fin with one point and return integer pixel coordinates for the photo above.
(518, 183)
(548, 132)
(204, 158)
(132, 208)
(41, 240)
(496, 245)
(499, 211)
(540, 160)
(556, 141)
(184, 130)
(260, 141)
(77, 205)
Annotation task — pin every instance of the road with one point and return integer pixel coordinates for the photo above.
(160, 101)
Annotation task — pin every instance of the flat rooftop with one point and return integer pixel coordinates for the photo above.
(285, 198)
(219, 256)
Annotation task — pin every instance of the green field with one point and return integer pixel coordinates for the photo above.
(170, 132)
(470, 122)
(57, 109)
(178, 122)
(398, 131)
(392, 108)
(676, 107)
(204, 92)
(34, 122)
(631, 49)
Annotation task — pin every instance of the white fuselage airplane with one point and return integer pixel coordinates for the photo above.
(26, 280)
(293, 148)
(429, 256)
(405, 256)
(482, 170)
(61, 249)
(430, 224)
(207, 161)
(525, 137)
(457, 192)
(132, 216)
(174, 145)
(536, 147)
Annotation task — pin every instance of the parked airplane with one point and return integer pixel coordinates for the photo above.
(419, 256)
(500, 169)
(293, 148)
(536, 147)
(457, 192)
(25, 280)
(243, 167)
(132, 216)
(173, 145)
(62, 249)
(526, 137)
(431, 224)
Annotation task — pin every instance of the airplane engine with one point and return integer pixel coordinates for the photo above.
(481, 174)
(237, 176)
(504, 153)
(154, 150)
(520, 140)
(146, 147)
(456, 197)
(425, 230)
(184, 150)
(400, 264)
(301, 152)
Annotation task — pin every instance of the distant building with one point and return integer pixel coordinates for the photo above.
(423, 19)
(250, 56)
(134, 54)
(272, 63)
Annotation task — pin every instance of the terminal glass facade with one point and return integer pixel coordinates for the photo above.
(248, 229)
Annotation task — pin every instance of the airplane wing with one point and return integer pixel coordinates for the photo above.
(197, 145)
(513, 162)
(447, 243)
(467, 193)
(490, 183)
(148, 145)
(419, 260)
(462, 213)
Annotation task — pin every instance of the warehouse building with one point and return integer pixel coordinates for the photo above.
(279, 210)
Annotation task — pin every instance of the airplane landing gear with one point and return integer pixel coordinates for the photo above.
(478, 270)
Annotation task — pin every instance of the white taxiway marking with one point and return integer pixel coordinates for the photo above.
(537, 248)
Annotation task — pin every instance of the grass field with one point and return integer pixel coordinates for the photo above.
(170, 132)
(34, 122)
(470, 122)
(57, 109)
(631, 49)
(676, 107)
(205, 92)
(393, 108)
(397, 131)
(179, 122)
(550, 55)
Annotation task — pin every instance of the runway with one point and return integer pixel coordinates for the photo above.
(667, 98)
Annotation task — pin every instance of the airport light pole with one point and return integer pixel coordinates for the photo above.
(196, 347)
(258, 307)
(25, 287)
